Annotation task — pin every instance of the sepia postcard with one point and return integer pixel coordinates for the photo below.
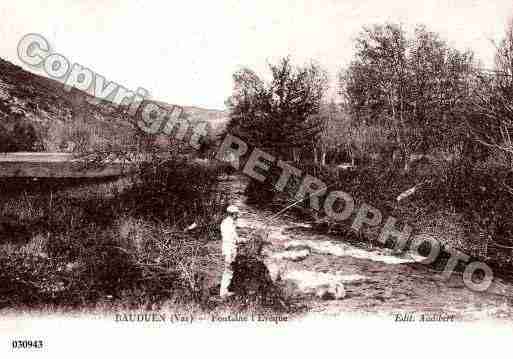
(288, 178)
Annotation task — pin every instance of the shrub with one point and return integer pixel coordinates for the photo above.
(128, 248)
(22, 137)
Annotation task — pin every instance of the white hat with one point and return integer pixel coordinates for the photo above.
(232, 209)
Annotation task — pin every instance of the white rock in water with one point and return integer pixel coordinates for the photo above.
(339, 291)
(322, 285)
(342, 249)
(333, 290)
(293, 255)
(275, 270)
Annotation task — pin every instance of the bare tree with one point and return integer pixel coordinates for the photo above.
(332, 137)
(492, 119)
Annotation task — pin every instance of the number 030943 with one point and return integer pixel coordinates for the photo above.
(26, 344)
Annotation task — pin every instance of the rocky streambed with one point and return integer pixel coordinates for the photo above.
(333, 277)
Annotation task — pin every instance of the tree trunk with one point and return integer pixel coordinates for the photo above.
(295, 154)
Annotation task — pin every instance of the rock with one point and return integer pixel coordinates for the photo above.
(275, 270)
(341, 249)
(345, 166)
(320, 247)
(322, 285)
(292, 255)
(331, 291)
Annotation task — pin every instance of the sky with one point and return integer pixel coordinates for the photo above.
(185, 52)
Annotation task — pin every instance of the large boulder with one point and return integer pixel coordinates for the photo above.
(322, 285)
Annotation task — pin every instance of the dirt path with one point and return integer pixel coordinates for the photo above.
(375, 281)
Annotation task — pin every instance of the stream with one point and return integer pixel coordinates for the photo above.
(375, 281)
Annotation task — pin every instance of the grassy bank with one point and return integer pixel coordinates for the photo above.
(121, 243)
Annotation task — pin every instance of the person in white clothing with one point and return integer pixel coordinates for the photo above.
(230, 239)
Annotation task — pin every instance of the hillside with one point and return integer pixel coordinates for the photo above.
(37, 114)
(216, 119)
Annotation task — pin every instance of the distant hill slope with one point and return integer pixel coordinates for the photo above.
(38, 114)
(217, 119)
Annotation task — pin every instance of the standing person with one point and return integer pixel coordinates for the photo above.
(229, 247)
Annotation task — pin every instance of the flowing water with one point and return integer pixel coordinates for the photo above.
(376, 281)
